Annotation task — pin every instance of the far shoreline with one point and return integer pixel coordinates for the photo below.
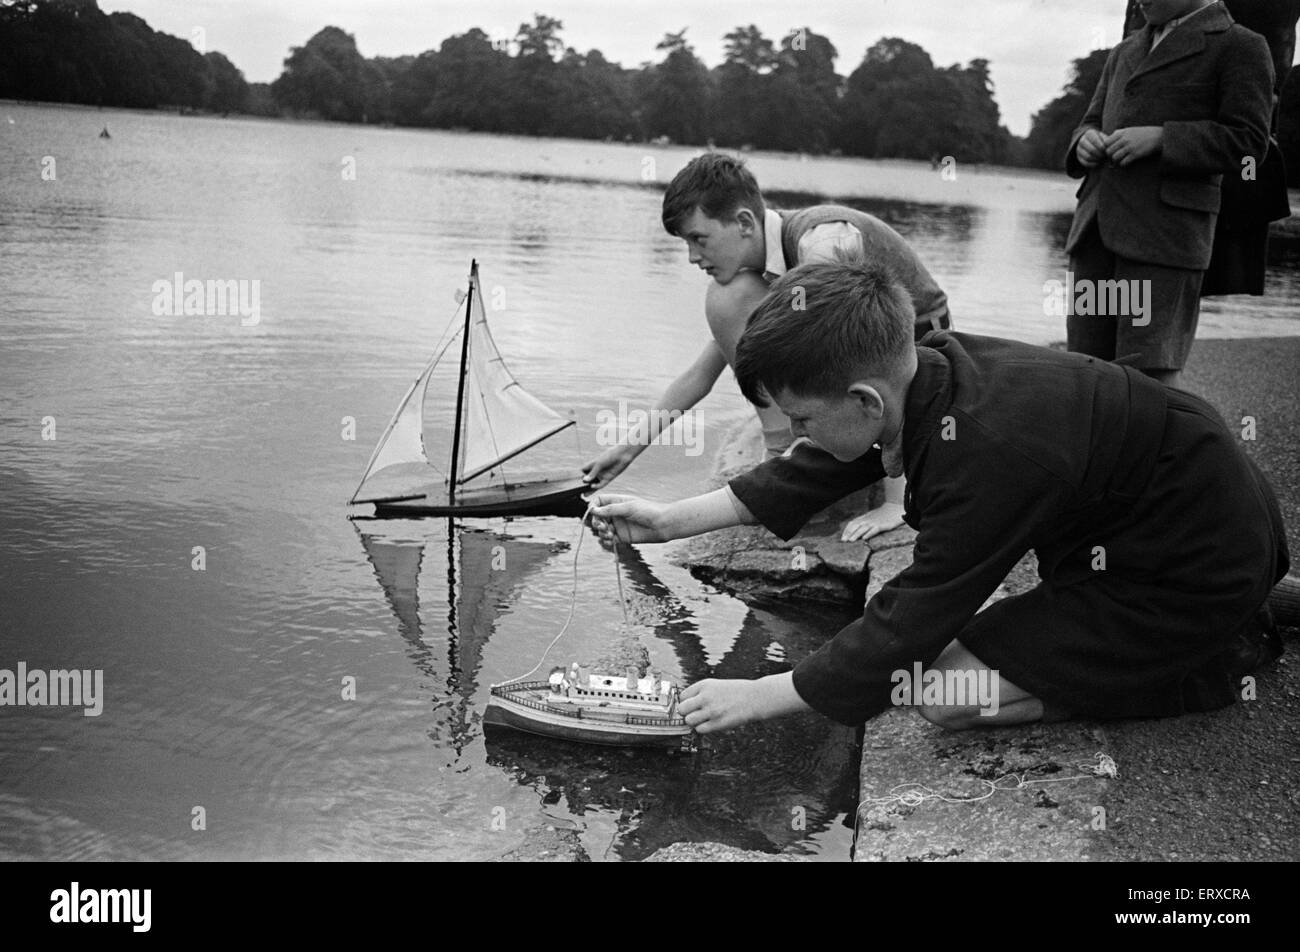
(1286, 230)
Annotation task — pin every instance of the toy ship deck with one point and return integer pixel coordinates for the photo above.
(593, 709)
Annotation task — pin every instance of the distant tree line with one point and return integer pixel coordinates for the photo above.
(780, 95)
(71, 51)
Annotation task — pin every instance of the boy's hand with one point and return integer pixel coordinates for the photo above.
(628, 519)
(888, 516)
(608, 464)
(1091, 150)
(1126, 146)
(716, 705)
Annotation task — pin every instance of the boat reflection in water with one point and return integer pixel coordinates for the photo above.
(475, 593)
(779, 786)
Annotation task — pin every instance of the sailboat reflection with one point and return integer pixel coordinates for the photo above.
(484, 571)
(768, 787)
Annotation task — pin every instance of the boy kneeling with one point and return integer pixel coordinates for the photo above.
(1157, 538)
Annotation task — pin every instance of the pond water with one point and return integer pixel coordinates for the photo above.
(223, 688)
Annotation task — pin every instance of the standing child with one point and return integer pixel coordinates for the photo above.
(1180, 104)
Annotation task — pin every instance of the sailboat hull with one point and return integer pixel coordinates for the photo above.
(539, 497)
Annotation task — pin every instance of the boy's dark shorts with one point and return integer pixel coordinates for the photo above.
(1173, 302)
(1189, 562)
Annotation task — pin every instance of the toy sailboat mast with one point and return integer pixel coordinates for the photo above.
(495, 420)
(454, 474)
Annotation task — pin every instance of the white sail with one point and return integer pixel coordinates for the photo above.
(403, 441)
(502, 418)
(499, 418)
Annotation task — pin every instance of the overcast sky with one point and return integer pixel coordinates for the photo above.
(1029, 43)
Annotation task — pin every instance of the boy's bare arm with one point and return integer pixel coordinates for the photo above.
(629, 519)
(709, 705)
(690, 387)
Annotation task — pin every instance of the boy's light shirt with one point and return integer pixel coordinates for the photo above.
(1170, 25)
(821, 243)
(817, 244)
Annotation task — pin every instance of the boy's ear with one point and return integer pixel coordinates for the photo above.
(745, 218)
(869, 398)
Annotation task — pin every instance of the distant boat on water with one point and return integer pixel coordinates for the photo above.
(104, 134)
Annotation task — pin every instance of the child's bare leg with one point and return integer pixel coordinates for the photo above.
(882, 519)
(1011, 704)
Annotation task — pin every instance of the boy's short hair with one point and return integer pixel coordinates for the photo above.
(717, 184)
(822, 326)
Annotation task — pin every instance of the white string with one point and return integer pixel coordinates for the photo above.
(914, 794)
(573, 597)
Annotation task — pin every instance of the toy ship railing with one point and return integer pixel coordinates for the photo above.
(535, 705)
(505, 690)
(635, 719)
(656, 721)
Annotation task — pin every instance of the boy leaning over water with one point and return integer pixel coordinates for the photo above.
(715, 206)
(1157, 538)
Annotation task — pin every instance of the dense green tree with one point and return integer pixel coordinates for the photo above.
(71, 51)
(471, 81)
(804, 96)
(595, 99)
(675, 97)
(898, 105)
(890, 68)
(1053, 125)
(741, 85)
(535, 85)
(229, 91)
(327, 78)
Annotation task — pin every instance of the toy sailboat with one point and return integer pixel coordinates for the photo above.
(620, 711)
(495, 420)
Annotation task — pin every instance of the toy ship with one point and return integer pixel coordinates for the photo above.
(619, 711)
